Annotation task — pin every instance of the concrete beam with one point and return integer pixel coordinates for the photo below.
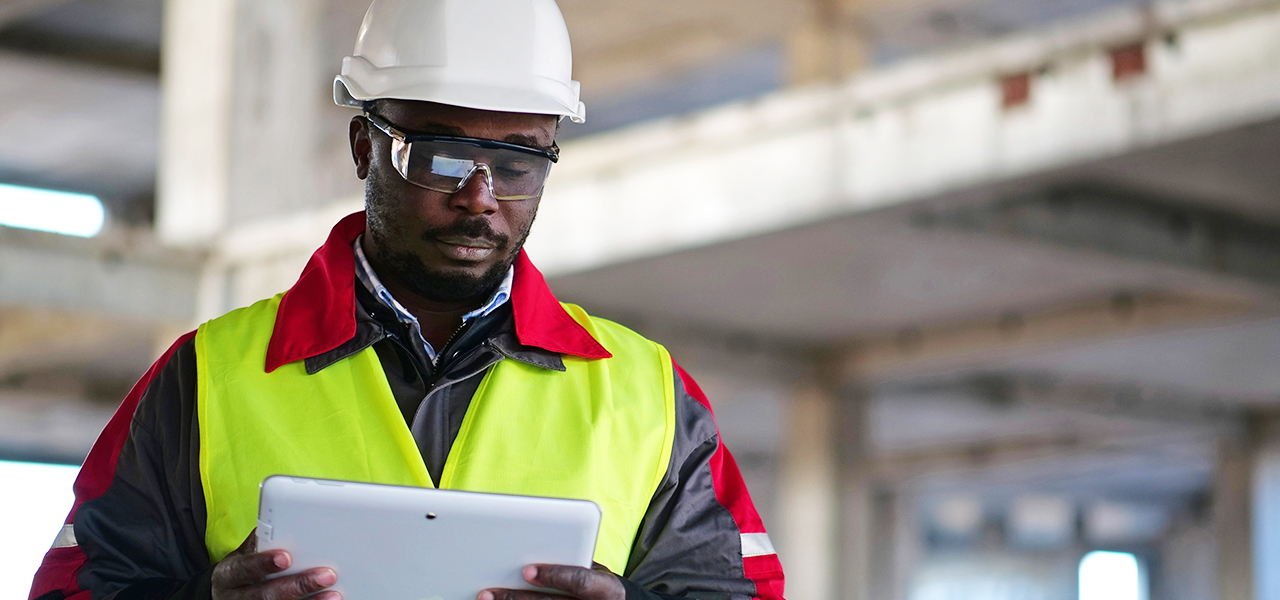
(1127, 226)
(921, 129)
(950, 346)
(990, 456)
(15, 10)
(1171, 409)
(34, 339)
(116, 276)
(78, 49)
(44, 427)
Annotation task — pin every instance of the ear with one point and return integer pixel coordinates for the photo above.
(361, 146)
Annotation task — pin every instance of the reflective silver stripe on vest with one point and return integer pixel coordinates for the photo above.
(756, 544)
(66, 538)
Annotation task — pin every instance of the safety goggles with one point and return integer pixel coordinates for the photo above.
(445, 163)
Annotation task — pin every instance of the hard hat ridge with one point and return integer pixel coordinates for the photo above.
(501, 55)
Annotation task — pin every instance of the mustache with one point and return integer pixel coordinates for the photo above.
(478, 229)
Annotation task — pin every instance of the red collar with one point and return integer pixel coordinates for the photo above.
(318, 313)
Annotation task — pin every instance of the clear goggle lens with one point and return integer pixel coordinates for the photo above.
(446, 164)
(447, 167)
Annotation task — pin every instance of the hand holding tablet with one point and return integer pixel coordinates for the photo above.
(400, 543)
(575, 582)
(243, 574)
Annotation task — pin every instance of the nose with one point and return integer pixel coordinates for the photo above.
(476, 195)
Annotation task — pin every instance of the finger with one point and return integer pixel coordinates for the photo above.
(502, 594)
(576, 581)
(295, 586)
(241, 570)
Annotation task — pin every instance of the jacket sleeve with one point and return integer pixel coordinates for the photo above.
(135, 529)
(701, 536)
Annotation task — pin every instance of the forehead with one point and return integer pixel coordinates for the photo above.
(429, 117)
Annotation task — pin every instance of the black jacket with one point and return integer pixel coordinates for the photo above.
(137, 528)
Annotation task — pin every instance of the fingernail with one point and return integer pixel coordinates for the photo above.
(281, 559)
(485, 595)
(326, 577)
(530, 573)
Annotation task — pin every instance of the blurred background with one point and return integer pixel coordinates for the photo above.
(986, 293)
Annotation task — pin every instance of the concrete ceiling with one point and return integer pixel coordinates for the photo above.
(1229, 362)
(86, 119)
(133, 23)
(83, 108)
(80, 128)
(909, 28)
(1237, 171)
(624, 45)
(866, 275)
(828, 283)
(88, 70)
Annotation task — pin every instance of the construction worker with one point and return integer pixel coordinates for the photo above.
(420, 346)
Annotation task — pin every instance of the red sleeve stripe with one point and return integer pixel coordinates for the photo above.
(61, 565)
(731, 491)
(766, 571)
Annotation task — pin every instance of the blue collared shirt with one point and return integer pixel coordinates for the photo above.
(364, 272)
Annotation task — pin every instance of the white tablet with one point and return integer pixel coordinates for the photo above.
(404, 543)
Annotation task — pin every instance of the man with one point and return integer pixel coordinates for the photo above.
(421, 347)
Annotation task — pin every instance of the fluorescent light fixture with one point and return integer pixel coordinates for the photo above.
(1111, 576)
(79, 215)
(1041, 522)
(36, 500)
(1112, 523)
(959, 517)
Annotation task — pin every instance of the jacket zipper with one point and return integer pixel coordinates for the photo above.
(442, 355)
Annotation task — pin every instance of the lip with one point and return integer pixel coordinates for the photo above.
(465, 249)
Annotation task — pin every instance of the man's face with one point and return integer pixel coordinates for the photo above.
(450, 248)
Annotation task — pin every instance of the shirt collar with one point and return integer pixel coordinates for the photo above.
(369, 278)
(318, 313)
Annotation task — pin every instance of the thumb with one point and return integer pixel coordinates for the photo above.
(250, 544)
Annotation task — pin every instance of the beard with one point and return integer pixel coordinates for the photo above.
(407, 268)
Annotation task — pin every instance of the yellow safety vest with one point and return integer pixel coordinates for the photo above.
(601, 430)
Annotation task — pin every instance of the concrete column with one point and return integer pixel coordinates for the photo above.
(907, 538)
(828, 46)
(858, 506)
(807, 494)
(1266, 511)
(197, 66)
(1231, 519)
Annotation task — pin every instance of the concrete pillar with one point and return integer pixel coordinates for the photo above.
(828, 46)
(807, 494)
(1266, 510)
(250, 135)
(195, 120)
(1231, 519)
(906, 545)
(858, 507)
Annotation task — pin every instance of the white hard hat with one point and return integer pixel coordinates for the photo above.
(501, 55)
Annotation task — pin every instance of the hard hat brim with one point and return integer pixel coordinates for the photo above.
(477, 96)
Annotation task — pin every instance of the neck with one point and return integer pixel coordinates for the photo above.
(419, 305)
(438, 320)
